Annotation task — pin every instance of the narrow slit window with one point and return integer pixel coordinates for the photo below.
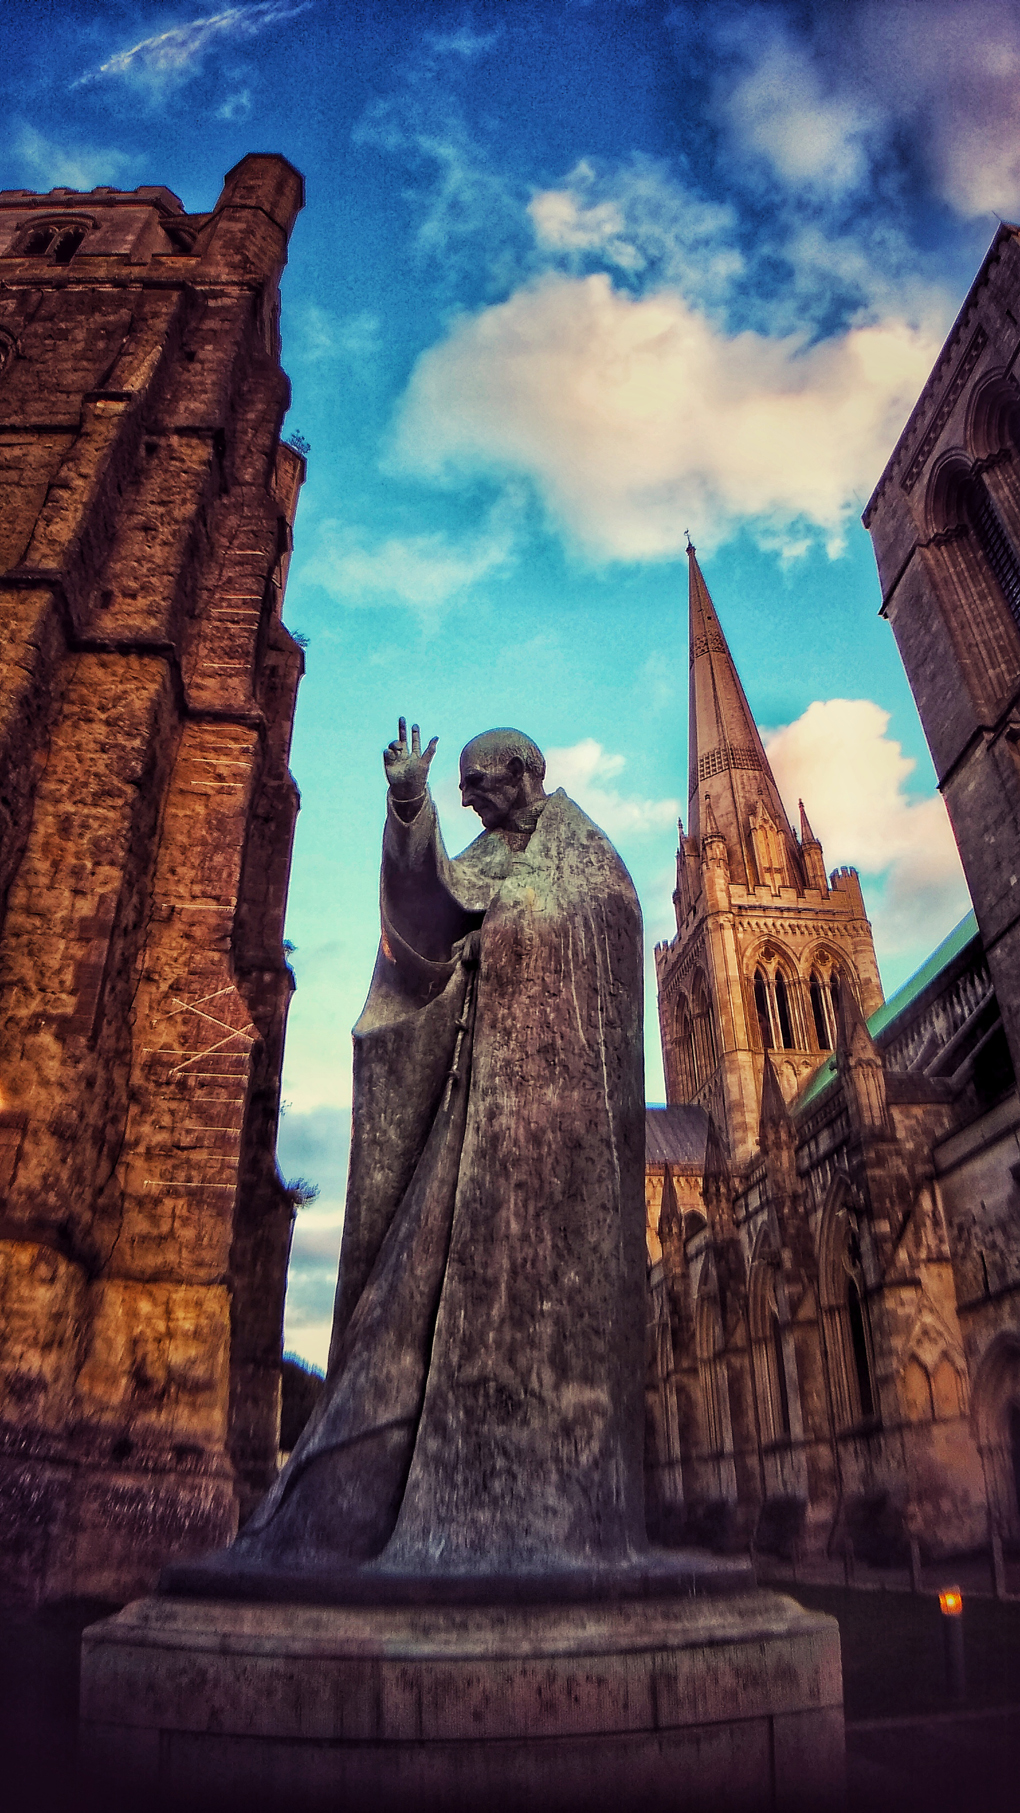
(818, 1011)
(859, 1344)
(761, 1002)
(783, 1010)
(782, 1387)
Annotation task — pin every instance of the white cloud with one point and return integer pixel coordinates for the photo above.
(425, 572)
(585, 770)
(53, 166)
(321, 335)
(563, 223)
(641, 220)
(839, 758)
(172, 57)
(636, 417)
(824, 106)
(236, 106)
(463, 43)
(780, 110)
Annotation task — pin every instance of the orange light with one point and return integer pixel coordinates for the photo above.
(951, 1602)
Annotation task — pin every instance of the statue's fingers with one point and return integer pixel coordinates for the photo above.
(431, 750)
(415, 740)
(401, 730)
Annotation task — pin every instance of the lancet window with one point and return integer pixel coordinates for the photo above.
(774, 1010)
(686, 1079)
(773, 1385)
(761, 1002)
(845, 1321)
(706, 1055)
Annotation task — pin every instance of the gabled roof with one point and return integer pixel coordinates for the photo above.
(676, 1136)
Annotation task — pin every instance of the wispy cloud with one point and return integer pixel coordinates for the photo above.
(464, 43)
(172, 57)
(49, 165)
(644, 223)
(424, 572)
(589, 773)
(236, 106)
(839, 757)
(829, 103)
(321, 335)
(633, 416)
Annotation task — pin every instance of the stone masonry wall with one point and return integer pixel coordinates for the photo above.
(147, 688)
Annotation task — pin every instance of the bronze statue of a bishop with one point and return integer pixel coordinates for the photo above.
(482, 1414)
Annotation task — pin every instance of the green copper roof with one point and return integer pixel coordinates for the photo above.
(898, 1003)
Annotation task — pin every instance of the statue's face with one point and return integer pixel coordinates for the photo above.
(490, 783)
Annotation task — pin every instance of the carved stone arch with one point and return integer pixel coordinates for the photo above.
(995, 1417)
(55, 235)
(945, 500)
(772, 984)
(972, 508)
(993, 416)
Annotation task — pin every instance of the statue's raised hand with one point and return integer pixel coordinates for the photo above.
(407, 770)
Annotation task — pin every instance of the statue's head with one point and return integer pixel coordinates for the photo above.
(501, 775)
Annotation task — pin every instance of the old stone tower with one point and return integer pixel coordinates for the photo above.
(765, 941)
(146, 817)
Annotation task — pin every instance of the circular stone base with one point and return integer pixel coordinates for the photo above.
(678, 1703)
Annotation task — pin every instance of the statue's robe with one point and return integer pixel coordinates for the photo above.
(483, 1411)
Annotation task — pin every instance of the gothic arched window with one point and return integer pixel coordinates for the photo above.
(56, 239)
(686, 1073)
(705, 1051)
(66, 244)
(845, 1318)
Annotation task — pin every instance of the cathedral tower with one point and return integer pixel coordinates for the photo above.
(147, 687)
(765, 942)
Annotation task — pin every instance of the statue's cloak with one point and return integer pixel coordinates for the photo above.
(483, 1407)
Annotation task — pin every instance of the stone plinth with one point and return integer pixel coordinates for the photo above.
(678, 1702)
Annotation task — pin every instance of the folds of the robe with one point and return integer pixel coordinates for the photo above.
(483, 1404)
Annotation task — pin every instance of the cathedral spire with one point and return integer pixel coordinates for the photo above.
(728, 769)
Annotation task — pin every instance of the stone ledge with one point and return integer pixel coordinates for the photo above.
(741, 1698)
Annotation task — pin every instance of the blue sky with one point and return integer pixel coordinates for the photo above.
(572, 278)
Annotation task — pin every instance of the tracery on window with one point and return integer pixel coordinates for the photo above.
(776, 1005)
(823, 992)
(53, 239)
